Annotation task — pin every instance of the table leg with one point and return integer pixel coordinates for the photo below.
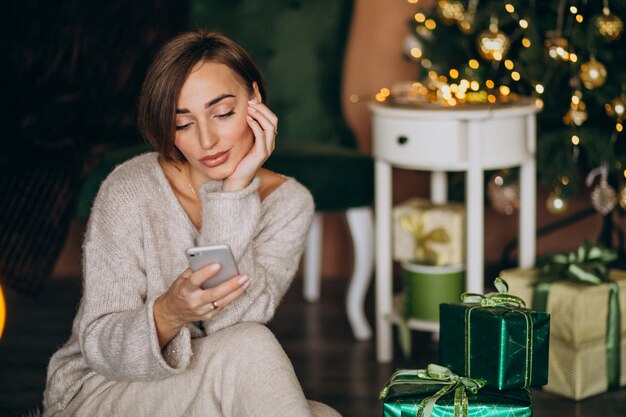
(438, 187)
(384, 276)
(528, 199)
(475, 211)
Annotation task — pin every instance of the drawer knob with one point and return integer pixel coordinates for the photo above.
(402, 140)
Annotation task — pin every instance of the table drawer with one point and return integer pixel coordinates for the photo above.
(426, 143)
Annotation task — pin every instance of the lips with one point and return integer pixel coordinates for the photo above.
(215, 159)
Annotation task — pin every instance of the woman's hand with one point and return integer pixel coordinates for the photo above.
(185, 301)
(264, 125)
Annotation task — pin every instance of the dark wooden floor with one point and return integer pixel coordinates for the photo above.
(332, 367)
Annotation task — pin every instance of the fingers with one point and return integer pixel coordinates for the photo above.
(217, 298)
(268, 122)
(197, 278)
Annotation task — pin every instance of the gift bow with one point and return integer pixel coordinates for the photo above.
(588, 265)
(494, 299)
(440, 375)
(414, 224)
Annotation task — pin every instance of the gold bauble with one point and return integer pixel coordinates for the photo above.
(616, 107)
(603, 198)
(592, 74)
(609, 26)
(450, 12)
(493, 44)
(557, 48)
(556, 204)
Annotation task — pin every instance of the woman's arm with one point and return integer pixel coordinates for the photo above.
(267, 244)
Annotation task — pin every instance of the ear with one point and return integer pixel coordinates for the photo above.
(256, 94)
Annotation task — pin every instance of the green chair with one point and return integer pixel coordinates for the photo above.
(299, 47)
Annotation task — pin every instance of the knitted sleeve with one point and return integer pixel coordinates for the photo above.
(267, 240)
(117, 334)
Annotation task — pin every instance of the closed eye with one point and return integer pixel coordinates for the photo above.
(183, 127)
(225, 115)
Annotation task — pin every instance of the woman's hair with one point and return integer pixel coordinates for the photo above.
(167, 74)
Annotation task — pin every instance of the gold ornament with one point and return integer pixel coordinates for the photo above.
(603, 198)
(592, 74)
(493, 44)
(616, 107)
(503, 193)
(450, 12)
(622, 197)
(556, 204)
(609, 25)
(557, 48)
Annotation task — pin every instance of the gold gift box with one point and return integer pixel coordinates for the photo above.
(577, 360)
(427, 233)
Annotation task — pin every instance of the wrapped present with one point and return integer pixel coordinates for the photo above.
(588, 335)
(429, 234)
(436, 391)
(495, 338)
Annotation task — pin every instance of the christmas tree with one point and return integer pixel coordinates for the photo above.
(567, 55)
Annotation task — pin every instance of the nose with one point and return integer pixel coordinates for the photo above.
(208, 137)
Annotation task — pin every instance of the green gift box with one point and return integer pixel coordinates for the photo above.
(437, 392)
(425, 287)
(504, 344)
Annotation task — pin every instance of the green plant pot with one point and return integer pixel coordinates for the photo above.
(425, 287)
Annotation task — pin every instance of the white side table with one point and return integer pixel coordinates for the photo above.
(441, 140)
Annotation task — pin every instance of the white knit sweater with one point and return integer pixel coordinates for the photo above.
(134, 249)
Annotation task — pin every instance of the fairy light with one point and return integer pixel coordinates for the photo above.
(489, 84)
(354, 98)
(413, 1)
(564, 180)
(443, 78)
(474, 85)
(432, 74)
(473, 64)
(509, 8)
(497, 55)
(579, 18)
(491, 98)
(539, 103)
(416, 52)
(523, 23)
(575, 140)
(430, 24)
(515, 76)
(385, 92)
(539, 88)
(508, 64)
(379, 97)
(575, 100)
(573, 10)
(526, 42)
(426, 63)
(573, 57)
(505, 90)
(619, 127)
(454, 74)
(420, 17)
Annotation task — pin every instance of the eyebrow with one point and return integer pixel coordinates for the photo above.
(207, 104)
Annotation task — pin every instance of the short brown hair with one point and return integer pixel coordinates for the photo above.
(169, 70)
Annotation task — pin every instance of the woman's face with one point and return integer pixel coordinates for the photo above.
(211, 128)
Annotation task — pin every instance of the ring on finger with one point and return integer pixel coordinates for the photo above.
(213, 305)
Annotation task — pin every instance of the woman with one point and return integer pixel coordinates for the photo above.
(147, 339)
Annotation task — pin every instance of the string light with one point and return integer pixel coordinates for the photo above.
(489, 84)
(473, 64)
(619, 127)
(573, 9)
(579, 18)
(575, 140)
(420, 17)
(526, 42)
(539, 88)
(510, 8)
(523, 23)
(416, 52)
(508, 64)
(515, 76)
(454, 74)
(430, 24)
(564, 180)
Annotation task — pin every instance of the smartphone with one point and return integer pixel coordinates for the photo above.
(200, 256)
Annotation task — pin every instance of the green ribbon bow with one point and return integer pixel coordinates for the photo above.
(439, 375)
(494, 299)
(587, 265)
(414, 224)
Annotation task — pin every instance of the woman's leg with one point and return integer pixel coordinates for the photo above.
(238, 371)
